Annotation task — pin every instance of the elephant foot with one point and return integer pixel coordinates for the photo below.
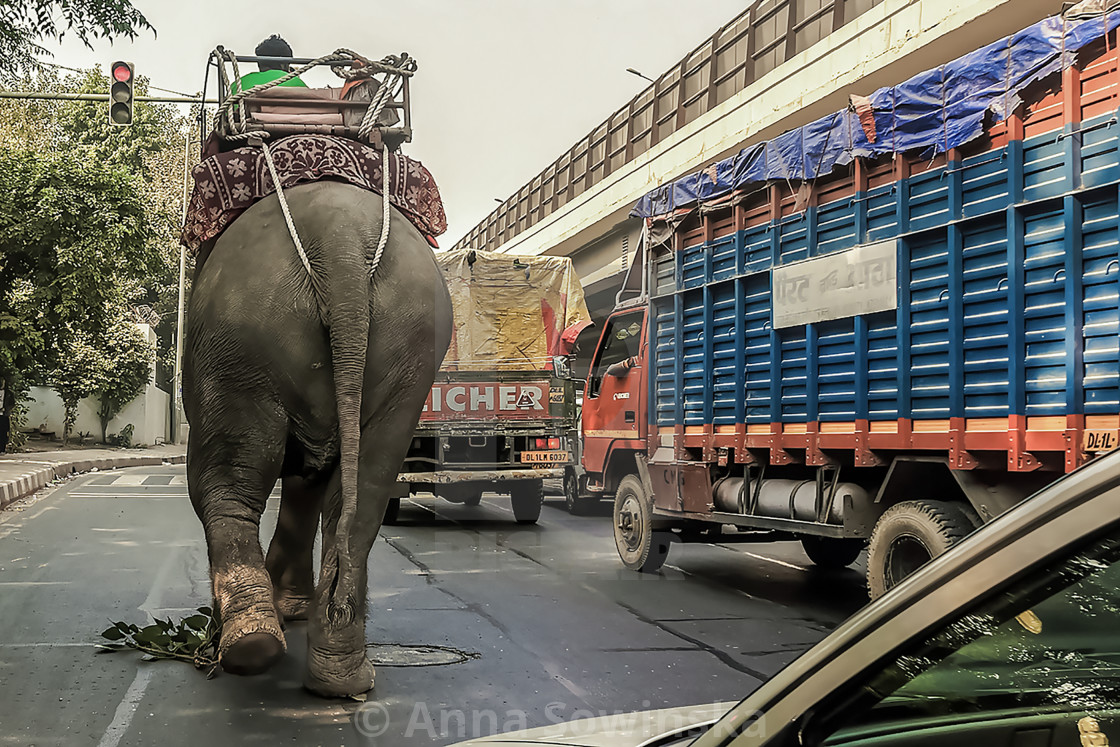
(250, 651)
(291, 605)
(332, 678)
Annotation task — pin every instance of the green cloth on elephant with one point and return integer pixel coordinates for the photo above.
(251, 80)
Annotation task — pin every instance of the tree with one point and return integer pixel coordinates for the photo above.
(73, 236)
(153, 147)
(155, 128)
(127, 359)
(79, 374)
(151, 150)
(32, 124)
(24, 23)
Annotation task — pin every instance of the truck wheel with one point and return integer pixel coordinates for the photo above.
(527, 497)
(640, 548)
(392, 512)
(573, 501)
(907, 536)
(832, 552)
(472, 498)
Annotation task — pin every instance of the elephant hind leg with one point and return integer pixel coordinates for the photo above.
(229, 484)
(290, 554)
(251, 637)
(337, 665)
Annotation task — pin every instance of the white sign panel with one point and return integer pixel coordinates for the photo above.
(858, 281)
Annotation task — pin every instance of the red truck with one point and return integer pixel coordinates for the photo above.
(869, 332)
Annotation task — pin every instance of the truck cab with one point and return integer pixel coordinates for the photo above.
(615, 420)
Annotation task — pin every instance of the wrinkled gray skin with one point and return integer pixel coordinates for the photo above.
(276, 376)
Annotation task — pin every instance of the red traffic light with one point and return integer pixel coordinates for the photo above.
(122, 72)
(120, 93)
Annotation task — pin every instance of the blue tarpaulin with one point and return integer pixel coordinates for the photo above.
(931, 113)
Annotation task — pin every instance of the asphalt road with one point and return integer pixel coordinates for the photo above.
(552, 626)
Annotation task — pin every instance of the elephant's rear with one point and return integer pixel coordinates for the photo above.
(323, 368)
(255, 306)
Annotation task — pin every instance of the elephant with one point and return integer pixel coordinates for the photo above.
(316, 379)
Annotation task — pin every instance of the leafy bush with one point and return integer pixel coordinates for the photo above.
(124, 438)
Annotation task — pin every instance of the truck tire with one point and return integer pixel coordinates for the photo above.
(573, 500)
(472, 498)
(832, 552)
(527, 497)
(392, 512)
(907, 536)
(640, 548)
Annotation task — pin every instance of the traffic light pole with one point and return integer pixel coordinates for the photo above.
(177, 382)
(102, 97)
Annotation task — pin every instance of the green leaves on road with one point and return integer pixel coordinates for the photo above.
(193, 639)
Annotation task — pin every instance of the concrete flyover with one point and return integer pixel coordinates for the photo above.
(779, 65)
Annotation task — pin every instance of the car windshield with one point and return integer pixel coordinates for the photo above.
(1049, 644)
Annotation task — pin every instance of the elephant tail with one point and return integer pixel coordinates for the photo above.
(348, 295)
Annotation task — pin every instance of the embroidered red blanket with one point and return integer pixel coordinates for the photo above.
(226, 184)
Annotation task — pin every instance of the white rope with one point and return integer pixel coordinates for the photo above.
(382, 242)
(284, 208)
(389, 87)
(384, 211)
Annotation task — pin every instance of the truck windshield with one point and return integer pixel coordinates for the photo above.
(621, 340)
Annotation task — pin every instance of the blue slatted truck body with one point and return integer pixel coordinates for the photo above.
(888, 354)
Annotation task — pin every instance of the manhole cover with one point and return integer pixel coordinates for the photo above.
(415, 655)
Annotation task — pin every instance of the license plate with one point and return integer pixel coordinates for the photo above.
(544, 457)
(1099, 440)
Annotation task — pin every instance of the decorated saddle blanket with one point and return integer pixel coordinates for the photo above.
(226, 184)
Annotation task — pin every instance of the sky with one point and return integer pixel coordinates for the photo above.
(503, 86)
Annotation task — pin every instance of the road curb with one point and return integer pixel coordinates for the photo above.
(38, 476)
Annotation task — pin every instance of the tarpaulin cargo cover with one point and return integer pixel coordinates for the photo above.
(932, 112)
(510, 310)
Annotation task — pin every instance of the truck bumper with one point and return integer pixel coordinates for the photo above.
(446, 477)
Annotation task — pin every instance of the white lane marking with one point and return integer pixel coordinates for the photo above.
(152, 603)
(35, 583)
(122, 719)
(775, 561)
(145, 494)
(131, 478)
(47, 645)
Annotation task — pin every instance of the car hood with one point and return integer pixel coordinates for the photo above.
(610, 730)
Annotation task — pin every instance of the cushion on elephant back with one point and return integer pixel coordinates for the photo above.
(303, 106)
(226, 184)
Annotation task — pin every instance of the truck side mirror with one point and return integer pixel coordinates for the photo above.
(562, 366)
(619, 370)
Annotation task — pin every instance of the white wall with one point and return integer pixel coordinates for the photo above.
(148, 413)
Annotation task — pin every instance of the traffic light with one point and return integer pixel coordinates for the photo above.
(120, 93)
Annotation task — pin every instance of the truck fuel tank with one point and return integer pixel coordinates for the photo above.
(802, 500)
